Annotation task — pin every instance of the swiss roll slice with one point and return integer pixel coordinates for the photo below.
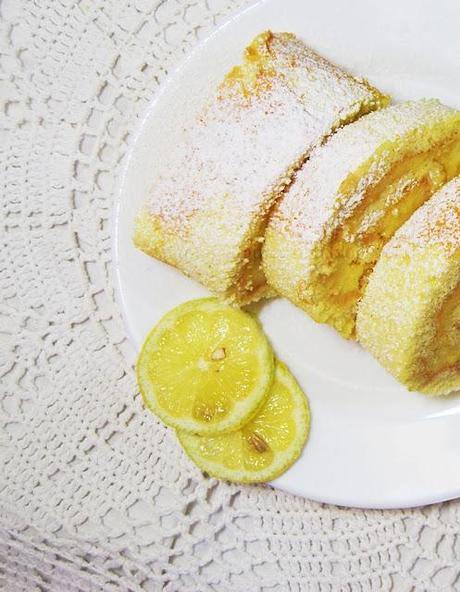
(409, 317)
(349, 198)
(208, 208)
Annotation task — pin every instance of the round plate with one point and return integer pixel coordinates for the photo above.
(372, 444)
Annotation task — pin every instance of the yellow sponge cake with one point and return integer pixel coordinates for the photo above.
(409, 317)
(348, 200)
(209, 206)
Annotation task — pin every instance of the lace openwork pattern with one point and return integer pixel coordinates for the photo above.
(95, 495)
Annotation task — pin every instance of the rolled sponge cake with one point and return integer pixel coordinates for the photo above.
(208, 208)
(409, 317)
(349, 198)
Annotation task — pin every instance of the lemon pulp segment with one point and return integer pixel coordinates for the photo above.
(205, 367)
(264, 447)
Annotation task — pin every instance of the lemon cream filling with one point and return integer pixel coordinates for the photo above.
(343, 266)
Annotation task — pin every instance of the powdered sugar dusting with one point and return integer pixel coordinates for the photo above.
(242, 150)
(237, 151)
(406, 318)
(437, 222)
(242, 145)
(314, 205)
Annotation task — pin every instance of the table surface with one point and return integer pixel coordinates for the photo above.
(95, 494)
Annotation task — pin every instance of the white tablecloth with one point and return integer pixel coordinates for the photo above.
(95, 494)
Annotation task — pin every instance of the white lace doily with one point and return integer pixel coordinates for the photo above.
(95, 495)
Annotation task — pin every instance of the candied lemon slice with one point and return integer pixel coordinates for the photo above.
(263, 448)
(205, 367)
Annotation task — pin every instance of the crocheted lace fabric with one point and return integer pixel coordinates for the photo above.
(95, 495)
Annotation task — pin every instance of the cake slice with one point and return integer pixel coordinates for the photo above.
(409, 317)
(208, 209)
(349, 198)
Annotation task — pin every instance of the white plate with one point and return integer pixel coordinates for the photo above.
(372, 443)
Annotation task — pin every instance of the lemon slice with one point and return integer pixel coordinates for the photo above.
(205, 367)
(263, 448)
